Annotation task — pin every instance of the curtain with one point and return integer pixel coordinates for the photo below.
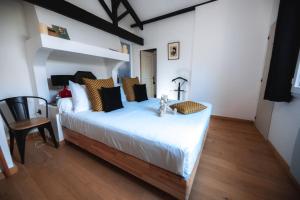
(285, 52)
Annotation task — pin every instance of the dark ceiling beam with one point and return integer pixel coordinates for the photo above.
(114, 7)
(69, 10)
(172, 14)
(107, 10)
(123, 15)
(133, 14)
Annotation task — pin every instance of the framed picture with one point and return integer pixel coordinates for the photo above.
(173, 50)
(61, 32)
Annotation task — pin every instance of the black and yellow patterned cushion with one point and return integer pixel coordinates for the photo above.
(188, 107)
(128, 84)
(93, 86)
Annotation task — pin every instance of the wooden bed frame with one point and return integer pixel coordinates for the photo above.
(167, 181)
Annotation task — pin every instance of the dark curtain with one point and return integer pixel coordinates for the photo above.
(285, 52)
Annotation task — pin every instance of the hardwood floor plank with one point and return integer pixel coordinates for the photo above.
(236, 164)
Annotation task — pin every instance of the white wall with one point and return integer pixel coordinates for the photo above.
(79, 31)
(69, 64)
(228, 57)
(14, 74)
(284, 128)
(158, 35)
(66, 63)
(16, 77)
(222, 51)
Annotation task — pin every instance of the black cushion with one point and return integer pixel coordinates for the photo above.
(140, 92)
(111, 98)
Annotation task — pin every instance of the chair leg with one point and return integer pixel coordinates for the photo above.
(21, 139)
(42, 133)
(11, 142)
(50, 129)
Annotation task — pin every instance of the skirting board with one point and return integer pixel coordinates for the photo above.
(231, 119)
(6, 170)
(284, 165)
(167, 181)
(2, 176)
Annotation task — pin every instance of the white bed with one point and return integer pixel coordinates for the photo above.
(172, 142)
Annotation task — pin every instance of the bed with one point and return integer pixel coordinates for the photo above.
(163, 151)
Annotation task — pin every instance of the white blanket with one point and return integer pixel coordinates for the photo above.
(172, 142)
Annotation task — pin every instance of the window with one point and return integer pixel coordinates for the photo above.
(296, 80)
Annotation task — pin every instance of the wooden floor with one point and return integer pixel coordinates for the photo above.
(236, 164)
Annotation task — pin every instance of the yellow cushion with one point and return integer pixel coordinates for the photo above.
(92, 88)
(128, 84)
(188, 107)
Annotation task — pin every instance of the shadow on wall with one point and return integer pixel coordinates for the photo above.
(295, 165)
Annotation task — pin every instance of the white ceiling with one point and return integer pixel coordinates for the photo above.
(147, 9)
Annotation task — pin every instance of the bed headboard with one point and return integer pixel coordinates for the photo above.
(61, 80)
(78, 76)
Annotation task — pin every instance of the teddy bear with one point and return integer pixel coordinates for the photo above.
(164, 106)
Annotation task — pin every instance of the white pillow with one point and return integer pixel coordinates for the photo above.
(123, 96)
(65, 105)
(80, 97)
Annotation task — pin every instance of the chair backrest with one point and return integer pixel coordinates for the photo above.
(18, 106)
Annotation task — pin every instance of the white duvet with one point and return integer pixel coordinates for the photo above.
(172, 142)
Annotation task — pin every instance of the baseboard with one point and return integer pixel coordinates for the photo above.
(2, 176)
(231, 119)
(284, 165)
(13, 170)
(6, 170)
(63, 142)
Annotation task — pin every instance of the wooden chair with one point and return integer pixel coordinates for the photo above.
(18, 106)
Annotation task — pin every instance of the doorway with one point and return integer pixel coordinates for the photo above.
(264, 107)
(148, 70)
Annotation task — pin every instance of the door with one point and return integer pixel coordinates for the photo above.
(265, 107)
(148, 77)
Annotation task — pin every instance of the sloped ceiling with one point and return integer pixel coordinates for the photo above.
(147, 9)
(93, 6)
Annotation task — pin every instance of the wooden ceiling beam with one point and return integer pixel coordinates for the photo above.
(114, 9)
(123, 15)
(133, 14)
(107, 10)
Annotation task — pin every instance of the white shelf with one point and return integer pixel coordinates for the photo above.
(39, 48)
(57, 44)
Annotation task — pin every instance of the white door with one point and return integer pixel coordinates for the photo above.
(147, 71)
(265, 107)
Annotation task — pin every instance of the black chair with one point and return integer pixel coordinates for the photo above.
(18, 106)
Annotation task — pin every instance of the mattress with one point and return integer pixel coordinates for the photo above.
(172, 142)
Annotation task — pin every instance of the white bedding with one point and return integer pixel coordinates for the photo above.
(172, 142)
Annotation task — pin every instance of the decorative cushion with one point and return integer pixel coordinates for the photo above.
(80, 97)
(188, 107)
(128, 84)
(140, 92)
(93, 86)
(111, 98)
